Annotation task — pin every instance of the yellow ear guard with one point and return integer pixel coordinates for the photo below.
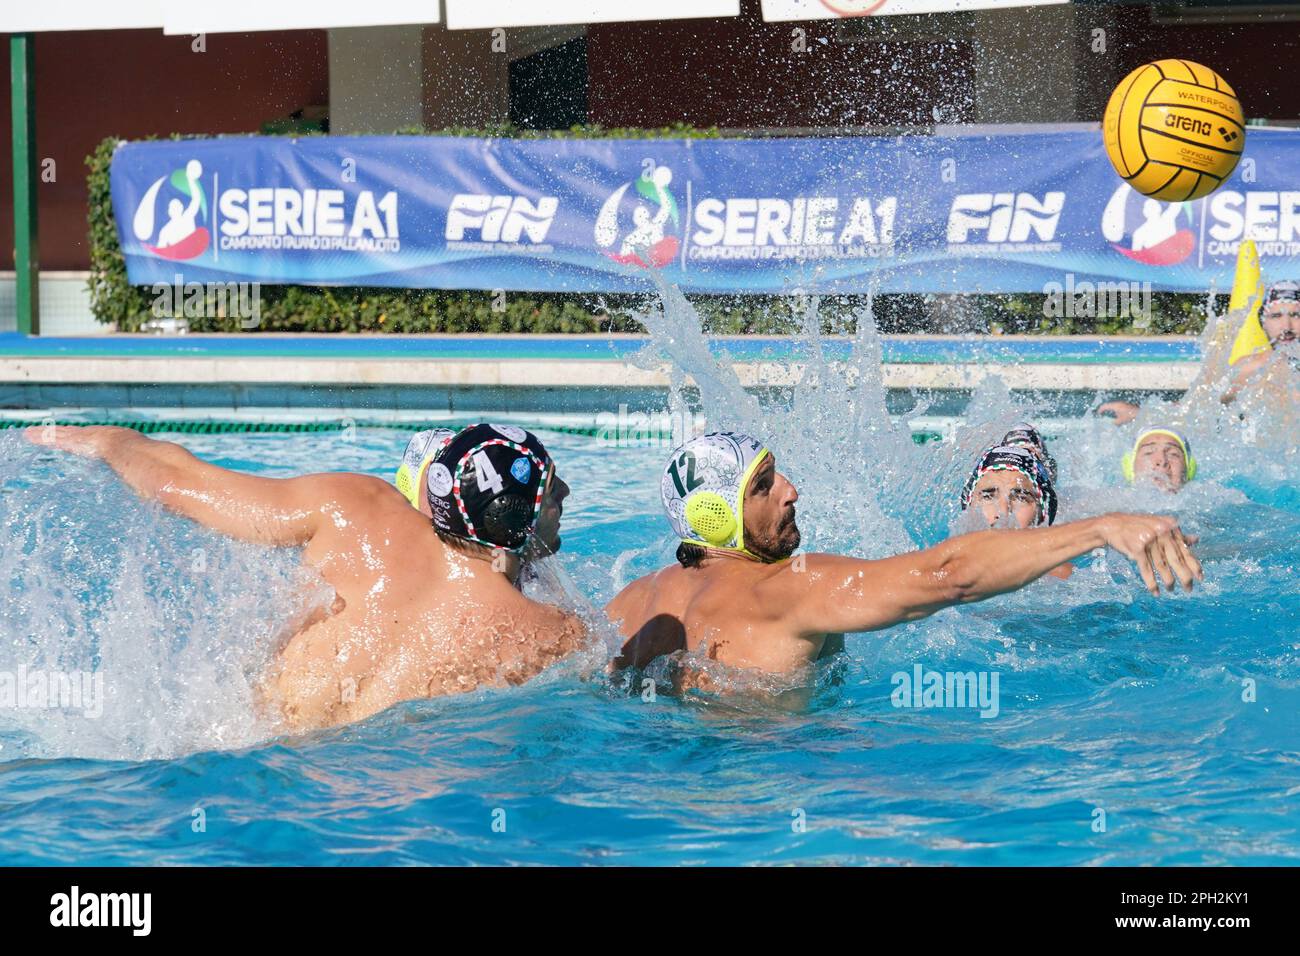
(703, 488)
(409, 482)
(711, 518)
(419, 454)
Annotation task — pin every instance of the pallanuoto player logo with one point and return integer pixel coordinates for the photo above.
(646, 241)
(180, 236)
(1159, 233)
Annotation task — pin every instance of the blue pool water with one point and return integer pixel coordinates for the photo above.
(956, 349)
(1110, 700)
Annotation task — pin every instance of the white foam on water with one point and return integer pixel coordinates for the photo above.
(174, 623)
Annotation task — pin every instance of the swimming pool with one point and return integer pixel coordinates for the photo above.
(1110, 700)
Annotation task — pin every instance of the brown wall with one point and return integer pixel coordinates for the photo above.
(741, 72)
(1260, 61)
(135, 83)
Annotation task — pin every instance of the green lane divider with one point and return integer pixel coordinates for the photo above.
(220, 427)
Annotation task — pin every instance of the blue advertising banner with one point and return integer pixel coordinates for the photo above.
(1004, 212)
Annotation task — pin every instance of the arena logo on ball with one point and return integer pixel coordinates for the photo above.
(995, 223)
(180, 238)
(509, 224)
(648, 243)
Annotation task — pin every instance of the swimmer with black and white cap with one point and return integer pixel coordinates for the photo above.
(735, 590)
(465, 511)
(425, 604)
(1013, 485)
(1010, 489)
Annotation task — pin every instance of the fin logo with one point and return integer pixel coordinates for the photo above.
(180, 237)
(500, 218)
(1160, 233)
(647, 244)
(1004, 217)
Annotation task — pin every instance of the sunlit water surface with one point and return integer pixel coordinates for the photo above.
(1130, 730)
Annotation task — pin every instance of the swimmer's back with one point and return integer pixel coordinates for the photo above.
(414, 618)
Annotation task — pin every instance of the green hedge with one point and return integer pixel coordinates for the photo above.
(297, 308)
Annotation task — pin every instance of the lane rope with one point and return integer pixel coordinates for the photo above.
(228, 427)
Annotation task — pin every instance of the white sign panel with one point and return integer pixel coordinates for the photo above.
(245, 16)
(483, 14)
(829, 9)
(17, 16)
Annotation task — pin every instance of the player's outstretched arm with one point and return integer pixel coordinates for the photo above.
(836, 594)
(278, 511)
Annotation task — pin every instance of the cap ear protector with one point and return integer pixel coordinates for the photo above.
(1129, 462)
(710, 517)
(420, 452)
(507, 521)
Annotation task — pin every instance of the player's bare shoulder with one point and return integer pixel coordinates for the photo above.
(355, 498)
(628, 606)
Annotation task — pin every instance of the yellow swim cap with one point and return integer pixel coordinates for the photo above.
(1189, 463)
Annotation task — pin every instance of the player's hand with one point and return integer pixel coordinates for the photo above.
(1157, 546)
(1124, 412)
(85, 440)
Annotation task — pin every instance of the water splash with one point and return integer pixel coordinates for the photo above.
(174, 623)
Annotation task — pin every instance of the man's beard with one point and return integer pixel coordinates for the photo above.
(778, 546)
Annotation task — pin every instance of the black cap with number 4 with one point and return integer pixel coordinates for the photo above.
(486, 485)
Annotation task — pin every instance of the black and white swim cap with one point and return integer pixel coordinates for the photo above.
(486, 485)
(703, 488)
